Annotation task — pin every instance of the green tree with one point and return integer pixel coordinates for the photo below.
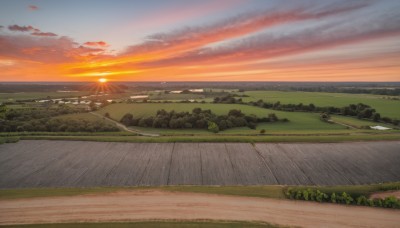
(213, 127)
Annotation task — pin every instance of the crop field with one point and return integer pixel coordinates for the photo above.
(386, 107)
(297, 120)
(29, 164)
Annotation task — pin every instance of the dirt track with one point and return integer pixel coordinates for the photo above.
(145, 205)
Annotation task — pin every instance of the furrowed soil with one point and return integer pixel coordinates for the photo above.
(32, 164)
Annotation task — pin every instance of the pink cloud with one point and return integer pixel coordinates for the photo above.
(96, 44)
(17, 28)
(33, 7)
(43, 34)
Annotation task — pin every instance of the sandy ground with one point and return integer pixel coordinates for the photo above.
(145, 205)
(382, 195)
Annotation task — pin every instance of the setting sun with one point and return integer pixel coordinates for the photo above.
(102, 80)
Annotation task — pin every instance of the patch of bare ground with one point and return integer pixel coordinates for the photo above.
(160, 205)
(383, 195)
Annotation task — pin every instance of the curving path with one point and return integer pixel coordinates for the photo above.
(150, 205)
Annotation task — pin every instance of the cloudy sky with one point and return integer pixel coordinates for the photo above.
(192, 40)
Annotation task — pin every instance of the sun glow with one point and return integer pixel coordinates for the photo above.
(102, 80)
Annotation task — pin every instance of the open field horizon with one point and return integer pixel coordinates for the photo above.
(189, 113)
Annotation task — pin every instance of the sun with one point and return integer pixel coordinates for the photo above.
(102, 80)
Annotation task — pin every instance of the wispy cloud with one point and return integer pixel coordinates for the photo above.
(33, 7)
(247, 44)
(43, 34)
(29, 28)
(96, 44)
(22, 28)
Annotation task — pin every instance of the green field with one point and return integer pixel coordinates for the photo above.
(298, 121)
(38, 95)
(83, 116)
(285, 137)
(267, 191)
(179, 96)
(386, 107)
(357, 123)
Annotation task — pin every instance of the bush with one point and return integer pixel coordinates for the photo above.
(262, 131)
(213, 127)
(344, 198)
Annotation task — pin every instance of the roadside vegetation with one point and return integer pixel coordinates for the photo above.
(41, 119)
(350, 195)
(153, 224)
(314, 194)
(198, 119)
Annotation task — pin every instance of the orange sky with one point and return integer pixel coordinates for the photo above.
(326, 42)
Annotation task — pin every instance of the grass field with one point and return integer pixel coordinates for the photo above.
(83, 116)
(226, 138)
(386, 107)
(179, 96)
(297, 120)
(357, 123)
(276, 192)
(38, 95)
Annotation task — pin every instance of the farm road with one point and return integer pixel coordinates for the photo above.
(29, 164)
(149, 205)
(123, 127)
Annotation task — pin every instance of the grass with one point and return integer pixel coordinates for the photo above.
(178, 96)
(297, 120)
(38, 95)
(356, 190)
(386, 107)
(357, 123)
(222, 138)
(151, 224)
(83, 116)
(269, 191)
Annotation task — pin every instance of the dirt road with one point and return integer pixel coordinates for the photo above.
(123, 127)
(145, 205)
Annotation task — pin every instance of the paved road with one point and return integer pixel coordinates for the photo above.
(44, 163)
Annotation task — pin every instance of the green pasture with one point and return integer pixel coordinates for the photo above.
(386, 107)
(173, 96)
(11, 97)
(297, 120)
(357, 123)
(83, 116)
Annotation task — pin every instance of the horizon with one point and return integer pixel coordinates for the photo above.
(209, 41)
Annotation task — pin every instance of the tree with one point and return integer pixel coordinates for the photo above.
(376, 117)
(127, 119)
(213, 127)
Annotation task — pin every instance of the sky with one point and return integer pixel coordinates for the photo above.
(208, 40)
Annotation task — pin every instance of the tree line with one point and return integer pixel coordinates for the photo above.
(344, 198)
(41, 120)
(198, 118)
(360, 110)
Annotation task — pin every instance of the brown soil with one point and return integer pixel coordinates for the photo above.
(145, 205)
(382, 195)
